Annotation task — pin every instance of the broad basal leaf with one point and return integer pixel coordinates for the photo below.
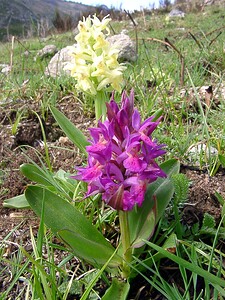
(71, 131)
(76, 231)
(16, 202)
(36, 174)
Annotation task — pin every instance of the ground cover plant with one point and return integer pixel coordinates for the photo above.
(176, 236)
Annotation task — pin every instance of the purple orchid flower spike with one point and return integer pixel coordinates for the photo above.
(121, 156)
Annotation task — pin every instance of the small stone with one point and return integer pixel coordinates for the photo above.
(64, 140)
(199, 152)
(177, 13)
(16, 215)
(26, 53)
(6, 70)
(47, 51)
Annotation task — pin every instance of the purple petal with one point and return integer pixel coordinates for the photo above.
(147, 127)
(132, 180)
(128, 103)
(151, 152)
(114, 172)
(122, 157)
(94, 132)
(128, 201)
(122, 118)
(100, 151)
(134, 164)
(112, 109)
(89, 173)
(136, 120)
(152, 172)
(138, 190)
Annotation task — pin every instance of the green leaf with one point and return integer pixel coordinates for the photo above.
(208, 221)
(170, 167)
(220, 198)
(157, 114)
(76, 231)
(222, 159)
(86, 247)
(142, 220)
(170, 242)
(181, 188)
(16, 202)
(65, 181)
(141, 224)
(36, 174)
(117, 291)
(71, 131)
(60, 181)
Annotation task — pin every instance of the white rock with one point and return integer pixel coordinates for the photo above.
(6, 69)
(202, 148)
(57, 63)
(48, 50)
(125, 45)
(2, 66)
(201, 152)
(176, 13)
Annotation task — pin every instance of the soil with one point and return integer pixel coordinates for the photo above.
(17, 223)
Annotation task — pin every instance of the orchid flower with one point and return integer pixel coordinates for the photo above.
(95, 66)
(121, 156)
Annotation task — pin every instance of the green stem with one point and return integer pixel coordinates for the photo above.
(177, 220)
(125, 239)
(100, 107)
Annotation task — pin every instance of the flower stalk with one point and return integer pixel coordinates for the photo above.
(100, 107)
(125, 240)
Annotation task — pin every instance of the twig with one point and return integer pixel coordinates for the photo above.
(213, 40)
(11, 52)
(196, 41)
(135, 29)
(157, 40)
(143, 13)
(181, 61)
(110, 25)
(18, 41)
(209, 33)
